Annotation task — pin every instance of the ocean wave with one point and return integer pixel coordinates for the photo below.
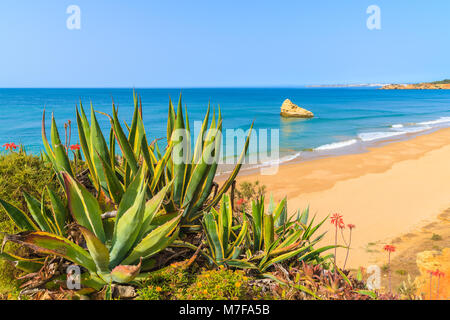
(438, 121)
(413, 129)
(281, 160)
(337, 145)
(397, 126)
(371, 136)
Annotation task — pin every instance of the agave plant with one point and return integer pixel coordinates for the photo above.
(193, 178)
(225, 238)
(263, 239)
(275, 238)
(114, 253)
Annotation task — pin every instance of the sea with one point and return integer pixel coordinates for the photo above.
(346, 119)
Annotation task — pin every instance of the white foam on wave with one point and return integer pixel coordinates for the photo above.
(279, 161)
(371, 136)
(438, 121)
(414, 129)
(396, 126)
(337, 145)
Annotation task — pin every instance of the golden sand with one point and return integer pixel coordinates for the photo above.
(386, 192)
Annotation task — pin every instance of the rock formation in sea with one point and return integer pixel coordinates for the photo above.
(291, 110)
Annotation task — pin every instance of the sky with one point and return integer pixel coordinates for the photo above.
(211, 43)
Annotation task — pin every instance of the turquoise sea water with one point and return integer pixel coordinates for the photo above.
(344, 116)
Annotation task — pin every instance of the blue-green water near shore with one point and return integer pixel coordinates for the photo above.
(345, 117)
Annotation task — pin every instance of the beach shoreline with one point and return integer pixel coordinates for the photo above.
(390, 190)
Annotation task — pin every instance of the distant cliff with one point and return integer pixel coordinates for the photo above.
(444, 84)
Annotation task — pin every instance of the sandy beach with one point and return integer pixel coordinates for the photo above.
(386, 192)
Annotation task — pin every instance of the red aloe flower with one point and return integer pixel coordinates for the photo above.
(75, 147)
(351, 226)
(389, 248)
(336, 219)
(10, 146)
(240, 202)
(437, 273)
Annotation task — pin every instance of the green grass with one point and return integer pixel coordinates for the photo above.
(19, 172)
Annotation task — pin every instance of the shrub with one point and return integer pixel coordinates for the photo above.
(165, 283)
(18, 172)
(436, 237)
(248, 191)
(218, 284)
(177, 283)
(21, 172)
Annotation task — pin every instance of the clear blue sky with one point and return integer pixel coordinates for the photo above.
(208, 43)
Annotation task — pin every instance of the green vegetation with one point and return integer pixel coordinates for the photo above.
(436, 237)
(144, 219)
(445, 81)
(177, 283)
(19, 173)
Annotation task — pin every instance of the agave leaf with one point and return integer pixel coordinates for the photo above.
(47, 147)
(170, 120)
(268, 232)
(84, 207)
(233, 174)
(257, 222)
(280, 213)
(241, 236)
(58, 210)
(178, 139)
(34, 206)
(84, 136)
(127, 229)
(133, 129)
(225, 220)
(315, 252)
(280, 258)
(198, 176)
(47, 243)
(124, 144)
(242, 264)
(114, 186)
(151, 208)
(125, 273)
(131, 193)
(61, 158)
(304, 216)
(213, 237)
(199, 143)
(26, 265)
(155, 241)
(21, 220)
(48, 216)
(84, 120)
(160, 168)
(97, 250)
(112, 147)
(99, 150)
